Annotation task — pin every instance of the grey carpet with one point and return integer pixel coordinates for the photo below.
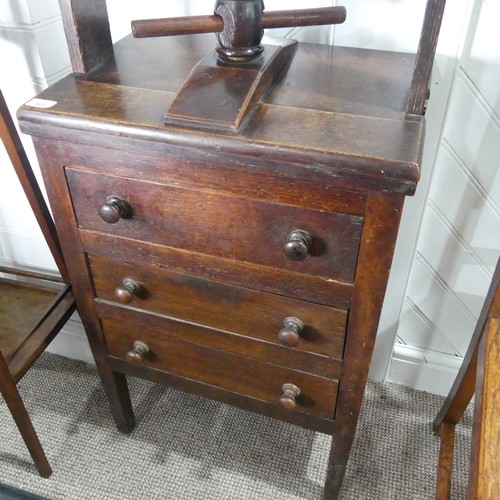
(185, 447)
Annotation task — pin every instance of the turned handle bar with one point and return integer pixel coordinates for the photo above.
(214, 24)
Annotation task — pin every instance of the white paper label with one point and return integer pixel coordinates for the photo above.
(41, 103)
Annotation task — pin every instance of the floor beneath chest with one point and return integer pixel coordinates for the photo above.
(188, 448)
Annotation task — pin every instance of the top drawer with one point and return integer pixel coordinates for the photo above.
(221, 225)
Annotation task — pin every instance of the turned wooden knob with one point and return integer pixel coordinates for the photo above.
(290, 393)
(298, 244)
(126, 291)
(136, 356)
(113, 209)
(289, 336)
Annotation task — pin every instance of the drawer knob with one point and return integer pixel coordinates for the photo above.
(136, 356)
(113, 209)
(298, 244)
(289, 336)
(127, 290)
(290, 393)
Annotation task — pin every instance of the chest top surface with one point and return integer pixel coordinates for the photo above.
(332, 108)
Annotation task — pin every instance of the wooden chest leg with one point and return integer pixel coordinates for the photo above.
(117, 392)
(383, 214)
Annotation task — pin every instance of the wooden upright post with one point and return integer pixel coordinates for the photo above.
(87, 31)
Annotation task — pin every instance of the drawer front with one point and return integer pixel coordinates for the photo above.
(222, 225)
(238, 374)
(279, 320)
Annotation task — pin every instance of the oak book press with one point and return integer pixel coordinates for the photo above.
(229, 216)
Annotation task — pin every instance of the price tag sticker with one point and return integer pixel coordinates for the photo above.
(41, 103)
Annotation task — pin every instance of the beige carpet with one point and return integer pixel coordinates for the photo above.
(185, 447)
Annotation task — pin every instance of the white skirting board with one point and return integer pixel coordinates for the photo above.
(423, 370)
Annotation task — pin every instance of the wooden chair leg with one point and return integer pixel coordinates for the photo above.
(445, 467)
(18, 410)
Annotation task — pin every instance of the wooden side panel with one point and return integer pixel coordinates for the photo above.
(377, 246)
(87, 31)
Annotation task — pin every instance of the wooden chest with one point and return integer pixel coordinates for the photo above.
(249, 267)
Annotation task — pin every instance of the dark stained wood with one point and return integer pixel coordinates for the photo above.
(272, 410)
(219, 225)
(26, 273)
(229, 308)
(382, 219)
(86, 26)
(329, 152)
(484, 470)
(240, 38)
(419, 91)
(175, 26)
(175, 166)
(322, 366)
(222, 97)
(463, 387)
(219, 368)
(24, 172)
(18, 410)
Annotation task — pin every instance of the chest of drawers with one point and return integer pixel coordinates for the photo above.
(245, 267)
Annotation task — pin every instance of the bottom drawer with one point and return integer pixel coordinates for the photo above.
(239, 374)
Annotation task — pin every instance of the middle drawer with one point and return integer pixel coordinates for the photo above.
(279, 320)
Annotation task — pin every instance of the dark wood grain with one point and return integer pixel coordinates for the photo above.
(18, 411)
(377, 245)
(223, 97)
(175, 26)
(258, 179)
(329, 151)
(15, 299)
(115, 384)
(278, 281)
(229, 308)
(419, 91)
(484, 481)
(221, 369)
(222, 226)
(86, 26)
(464, 386)
(249, 347)
(384, 153)
(445, 469)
